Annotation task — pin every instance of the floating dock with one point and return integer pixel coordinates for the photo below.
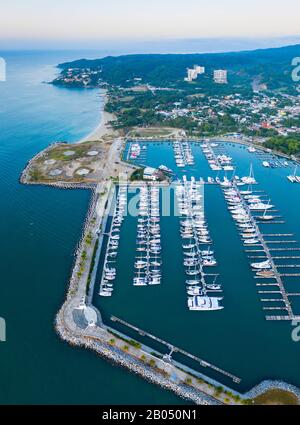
(266, 250)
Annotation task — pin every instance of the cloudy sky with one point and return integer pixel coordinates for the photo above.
(49, 21)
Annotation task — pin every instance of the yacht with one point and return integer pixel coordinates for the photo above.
(249, 235)
(209, 262)
(139, 281)
(192, 272)
(105, 293)
(213, 287)
(155, 280)
(267, 274)
(193, 291)
(265, 217)
(260, 206)
(204, 303)
(261, 265)
(192, 282)
(251, 241)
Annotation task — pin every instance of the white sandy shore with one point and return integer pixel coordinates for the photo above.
(103, 128)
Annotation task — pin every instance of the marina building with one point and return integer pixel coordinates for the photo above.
(150, 173)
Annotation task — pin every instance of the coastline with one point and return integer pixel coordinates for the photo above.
(103, 128)
(104, 138)
(98, 338)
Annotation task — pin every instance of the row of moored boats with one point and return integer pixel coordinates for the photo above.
(183, 154)
(196, 242)
(241, 205)
(293, 178)
(109, 269)
(148, 243)
(216, 162)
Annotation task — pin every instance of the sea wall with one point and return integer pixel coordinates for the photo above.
(119, 357)
(135, 366)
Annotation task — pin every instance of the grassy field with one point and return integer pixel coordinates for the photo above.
(79, 150)
(68, 165)
(151, 132)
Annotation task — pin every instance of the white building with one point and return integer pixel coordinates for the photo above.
(194, 72)
(220, 76)
(199, 69)
(150, 173)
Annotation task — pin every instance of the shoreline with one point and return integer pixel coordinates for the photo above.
(103, 127)
(97, 338)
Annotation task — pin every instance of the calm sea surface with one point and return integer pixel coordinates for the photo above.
(39, 230)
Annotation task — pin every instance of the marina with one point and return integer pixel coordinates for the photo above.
(269, 160)
(183, 154)
(148, 244)
(109, 270)
(167, 284)
(243, 204)
(248, 246)
(174, 349)
(196, 244)
(217, 161)
(136, 153)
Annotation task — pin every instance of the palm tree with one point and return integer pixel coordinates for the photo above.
(152, 363)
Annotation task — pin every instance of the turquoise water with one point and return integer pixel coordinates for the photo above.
(238, 338)
(39, 229)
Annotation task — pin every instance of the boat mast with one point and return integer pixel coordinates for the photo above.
(267, 207)
(296, 167)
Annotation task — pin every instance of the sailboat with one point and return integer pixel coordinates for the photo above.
(248, 191)
(213, 286)
(266, 217)
(250, 179)
(293, 178)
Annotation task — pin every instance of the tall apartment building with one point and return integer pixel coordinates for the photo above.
(194, 72)
(220, 76)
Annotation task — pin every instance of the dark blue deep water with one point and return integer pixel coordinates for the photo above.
(39, 230)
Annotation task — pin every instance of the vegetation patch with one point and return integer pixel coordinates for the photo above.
(287, 145)
(137, 175)
(276, 397)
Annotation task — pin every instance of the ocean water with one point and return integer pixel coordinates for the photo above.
(39, 230)
(237, 339)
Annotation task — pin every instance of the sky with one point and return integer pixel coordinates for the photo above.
(87, 22)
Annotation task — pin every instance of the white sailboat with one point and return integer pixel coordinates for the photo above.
(265, 216)
(293, 178)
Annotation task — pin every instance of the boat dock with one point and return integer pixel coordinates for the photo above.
(148, 243)
(109, 270)
(217, 161)
(196, 244)
(248, 209)
(175, 349)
